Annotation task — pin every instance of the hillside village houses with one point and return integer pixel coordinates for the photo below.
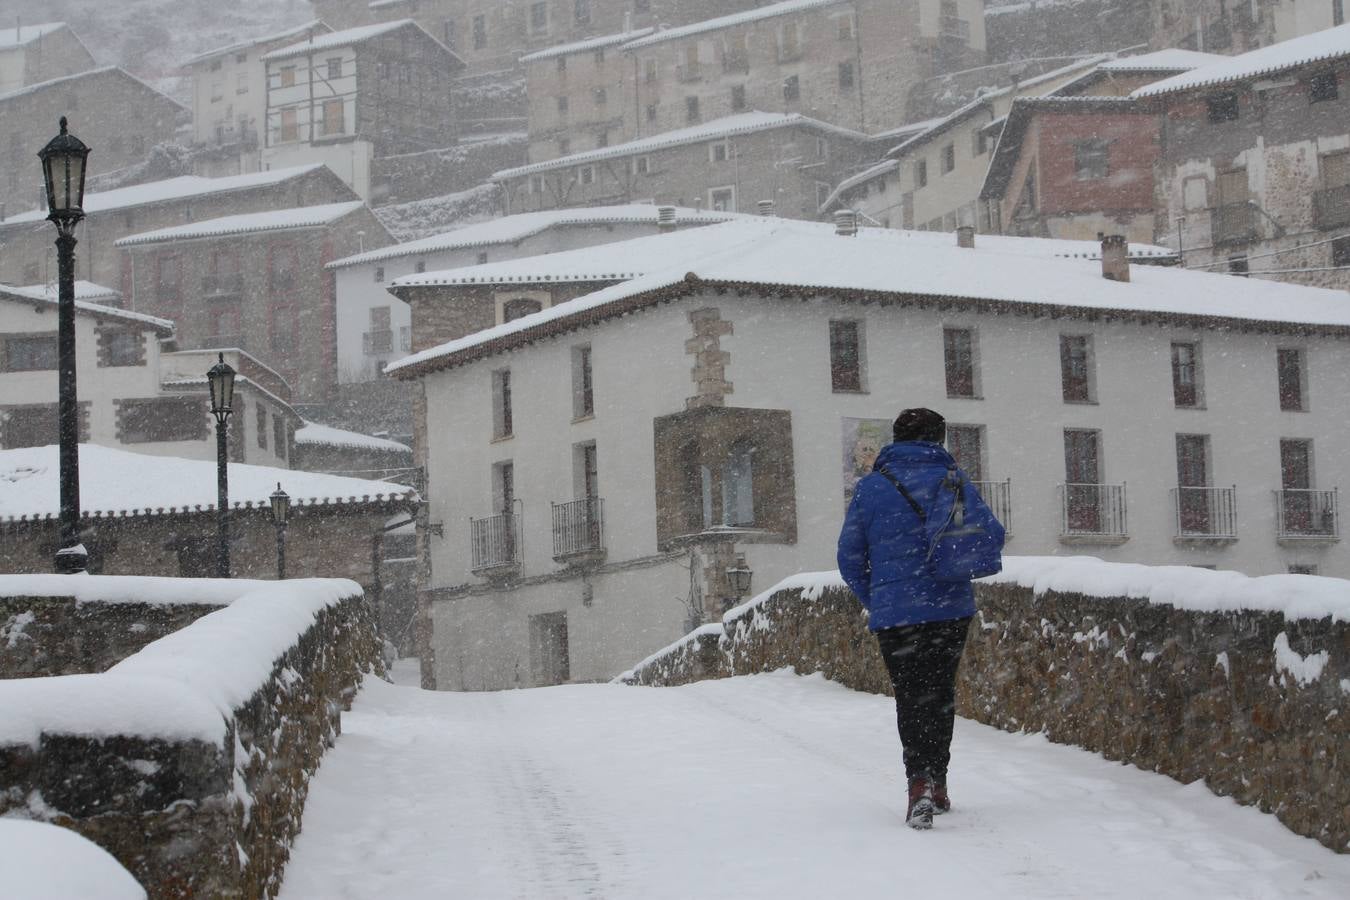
(229, 100)
(118, 112)
(1235, 26)
(30, 54)
(349, 97)
(29, 256)
(755, 458)
(727, 165)
(254, 281)
(136, 390)
(1254, 165)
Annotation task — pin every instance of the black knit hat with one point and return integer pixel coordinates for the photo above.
(919, 424)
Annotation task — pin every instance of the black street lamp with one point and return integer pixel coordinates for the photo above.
(738, 578)
(221, 379)
(281, 510)
(63, 163)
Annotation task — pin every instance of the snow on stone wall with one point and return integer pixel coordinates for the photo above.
(1242, 682)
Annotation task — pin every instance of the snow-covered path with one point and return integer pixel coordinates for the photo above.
(766, 786)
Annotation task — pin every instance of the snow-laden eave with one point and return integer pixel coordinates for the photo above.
(1320, 47)
(296, 219)
(240, 381)
(163, 327)
(731, 21)
(209, 55)
(881, 169)
(352, 37)
(596, 43)
(65, 80)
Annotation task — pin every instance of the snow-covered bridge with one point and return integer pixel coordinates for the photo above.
(761, 786)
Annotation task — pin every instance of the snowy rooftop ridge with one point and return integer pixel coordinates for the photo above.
(87, 73)
(728, 126)
(172, 189)
(251, 42)
(511, 229)
(117, 483)
(1320, 46)
(349, 36)
(1173, 59)
(807, 259)
(328, 436)
(248, 223)
(26, 34)
(741, 18)
(84, 290)
(46, 295)
(595, 43)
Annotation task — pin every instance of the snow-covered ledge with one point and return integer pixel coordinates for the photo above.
(1243, 682)
(189, 760)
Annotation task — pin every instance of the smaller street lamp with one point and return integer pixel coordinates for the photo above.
(281, 510)
(221, 380)
(738, 578)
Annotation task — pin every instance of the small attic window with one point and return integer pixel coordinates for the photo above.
(1322, 86)
(1223, 107)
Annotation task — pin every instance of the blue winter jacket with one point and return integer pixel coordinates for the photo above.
(882, 548)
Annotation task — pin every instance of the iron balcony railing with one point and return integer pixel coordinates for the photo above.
(998, 494)
(1233, 223)
(222, 285)
(1205, 513)
(1307, 514)
(377, 342)
(578, 528)
(1331, 207)
(1093, 510)
(495, 542)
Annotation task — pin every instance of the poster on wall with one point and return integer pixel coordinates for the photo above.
(863, 440)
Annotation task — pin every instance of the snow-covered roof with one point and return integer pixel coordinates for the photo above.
(512, 229)
(729, 126)
(26, 34)
(885, 167)
(46, 295)
(595, 43)
(253, 42)
(999, 274)
(117, 483)
(1174, 59)
(328, 436)
(248, 223)
(39, 86)
(179, 188)
(351, 36)
(741, 18)
(1320, 46)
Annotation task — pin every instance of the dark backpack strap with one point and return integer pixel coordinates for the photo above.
(918, 510)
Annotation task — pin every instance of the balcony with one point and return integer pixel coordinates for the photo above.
(688, 72)
(998, 494)
(495, 545)
(1233, 223)
(1205, 514)
(230, 285)
(1331, 207)
(377, 343)
(1306, 516)
(579, 531)
(1093, 514)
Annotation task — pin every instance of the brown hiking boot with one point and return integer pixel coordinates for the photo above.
(941, 802)
(920, 814)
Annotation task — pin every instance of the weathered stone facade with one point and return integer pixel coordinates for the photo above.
(1222, 26)
(1191, 695)
(192, 819)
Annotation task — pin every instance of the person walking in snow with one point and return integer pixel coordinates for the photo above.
(920, 623)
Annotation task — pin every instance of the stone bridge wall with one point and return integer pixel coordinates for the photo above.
(190, 760)
(1256, 703)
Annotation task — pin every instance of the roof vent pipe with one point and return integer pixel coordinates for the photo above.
(846, 223)
(665, 218)
(765, 207)
(1115, 258)
(965, 236)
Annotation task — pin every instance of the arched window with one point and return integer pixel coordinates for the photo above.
(738, 501)
(520, 306)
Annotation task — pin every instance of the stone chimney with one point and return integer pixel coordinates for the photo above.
(965, 236)
(665, 218)
(846, 223)
(1115, 258)
(766, 207)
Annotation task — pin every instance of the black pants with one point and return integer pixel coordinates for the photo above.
(922, 660)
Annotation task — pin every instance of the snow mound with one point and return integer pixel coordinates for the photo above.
(45, 862)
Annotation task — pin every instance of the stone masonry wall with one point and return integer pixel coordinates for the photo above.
(1251, 702)
(190, 818)
(41, 636)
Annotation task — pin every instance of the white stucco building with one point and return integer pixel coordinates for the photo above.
(594, 469)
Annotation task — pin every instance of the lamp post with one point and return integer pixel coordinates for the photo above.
(738, 578)
(63, 164)
(221, 379)
(281, 510)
